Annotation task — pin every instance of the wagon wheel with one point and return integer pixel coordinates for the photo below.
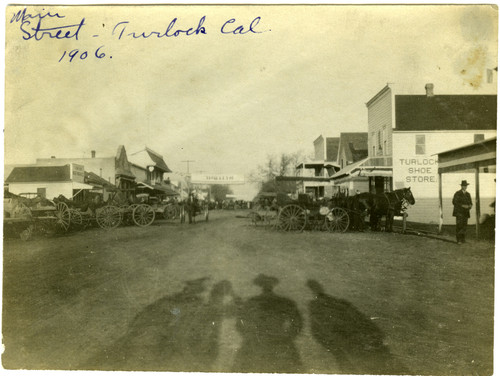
(143, 215)
(126, 212)
(170, 212)
(270, 218)
(26, 234)
(76, 218)
(63, 216)
(22, 211)
(292, 218)
(254, 217)
(337, 220)
(108, 217)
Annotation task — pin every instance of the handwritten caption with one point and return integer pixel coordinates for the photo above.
(42, 25)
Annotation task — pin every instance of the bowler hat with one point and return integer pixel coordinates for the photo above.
(464, 182)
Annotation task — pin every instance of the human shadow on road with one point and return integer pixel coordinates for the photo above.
(268, 324)
(179, 332)
(351, 337)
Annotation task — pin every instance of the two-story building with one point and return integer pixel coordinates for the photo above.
(149, 168)
(313, 177)
(405, 133)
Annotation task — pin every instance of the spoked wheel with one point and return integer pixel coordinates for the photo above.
(26, 234)
(63, 216)
(109, 217)
(76, 219)
(292, 218)
(255, 218)
(170, 212)
(337, 220)
(143, 215)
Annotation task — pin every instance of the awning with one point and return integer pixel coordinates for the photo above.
(364, 168)
(375, 172)
(77, 185)
(141, 183)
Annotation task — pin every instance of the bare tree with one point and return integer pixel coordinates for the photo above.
(282, 165)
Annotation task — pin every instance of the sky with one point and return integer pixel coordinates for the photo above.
(225, 101)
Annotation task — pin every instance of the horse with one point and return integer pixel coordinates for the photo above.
(359, 206)
(388, 204)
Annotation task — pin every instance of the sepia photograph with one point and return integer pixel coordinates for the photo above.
(250, 188)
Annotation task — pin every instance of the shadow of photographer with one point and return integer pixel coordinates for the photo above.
(268, 324)
(353, 339)
(179, 332)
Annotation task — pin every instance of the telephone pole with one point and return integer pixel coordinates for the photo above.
(187, 162)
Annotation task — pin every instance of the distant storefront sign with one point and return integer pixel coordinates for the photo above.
(77, 173)
(217, 179)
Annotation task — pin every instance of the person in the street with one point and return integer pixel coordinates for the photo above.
(462, 203)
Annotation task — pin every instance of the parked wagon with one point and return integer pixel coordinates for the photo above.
(297, 215)
(26, 214)
(265, 210)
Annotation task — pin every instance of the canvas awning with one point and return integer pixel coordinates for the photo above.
(371, 166)
(77, 185)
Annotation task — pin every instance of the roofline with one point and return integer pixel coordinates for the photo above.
(317, 138)
(378, 95)
(468, 146)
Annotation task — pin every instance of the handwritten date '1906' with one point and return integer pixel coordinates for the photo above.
(83, 54)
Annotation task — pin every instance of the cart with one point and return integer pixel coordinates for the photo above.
(297, 215)
(27, 213)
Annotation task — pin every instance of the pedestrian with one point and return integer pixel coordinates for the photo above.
(462, 203)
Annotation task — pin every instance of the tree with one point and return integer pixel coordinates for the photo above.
(219, 192)
(282, 165)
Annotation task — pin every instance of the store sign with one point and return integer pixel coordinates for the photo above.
(77, 173)
(419, 170)
(217, 179)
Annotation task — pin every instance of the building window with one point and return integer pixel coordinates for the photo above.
(478, 137)
(419, 144)
(385, 147)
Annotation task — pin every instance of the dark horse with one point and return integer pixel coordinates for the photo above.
(389, 204)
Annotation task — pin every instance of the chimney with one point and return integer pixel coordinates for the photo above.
(429, 90)
(93, 153)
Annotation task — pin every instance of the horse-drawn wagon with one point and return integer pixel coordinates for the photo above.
(296, 215)
(28, 213)
(337, 214)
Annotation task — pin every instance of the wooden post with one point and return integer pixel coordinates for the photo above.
(440, 181)
(478, 205)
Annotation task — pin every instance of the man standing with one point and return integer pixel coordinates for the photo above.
(462, 203)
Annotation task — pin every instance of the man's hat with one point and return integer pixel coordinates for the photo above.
(464, 182)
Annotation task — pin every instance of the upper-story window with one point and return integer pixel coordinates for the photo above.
(420, 144)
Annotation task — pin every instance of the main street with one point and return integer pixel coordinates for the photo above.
(227, 296)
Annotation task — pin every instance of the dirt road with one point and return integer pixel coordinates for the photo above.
(226, 296)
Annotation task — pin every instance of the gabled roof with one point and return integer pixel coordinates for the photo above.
(355, 145)
(148, 157)
(95, 180)
(122, 167)
(445, 112)
(39, 174)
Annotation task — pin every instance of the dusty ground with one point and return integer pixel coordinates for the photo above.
(185, 297)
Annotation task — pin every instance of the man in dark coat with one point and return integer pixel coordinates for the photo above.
(462, 203)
